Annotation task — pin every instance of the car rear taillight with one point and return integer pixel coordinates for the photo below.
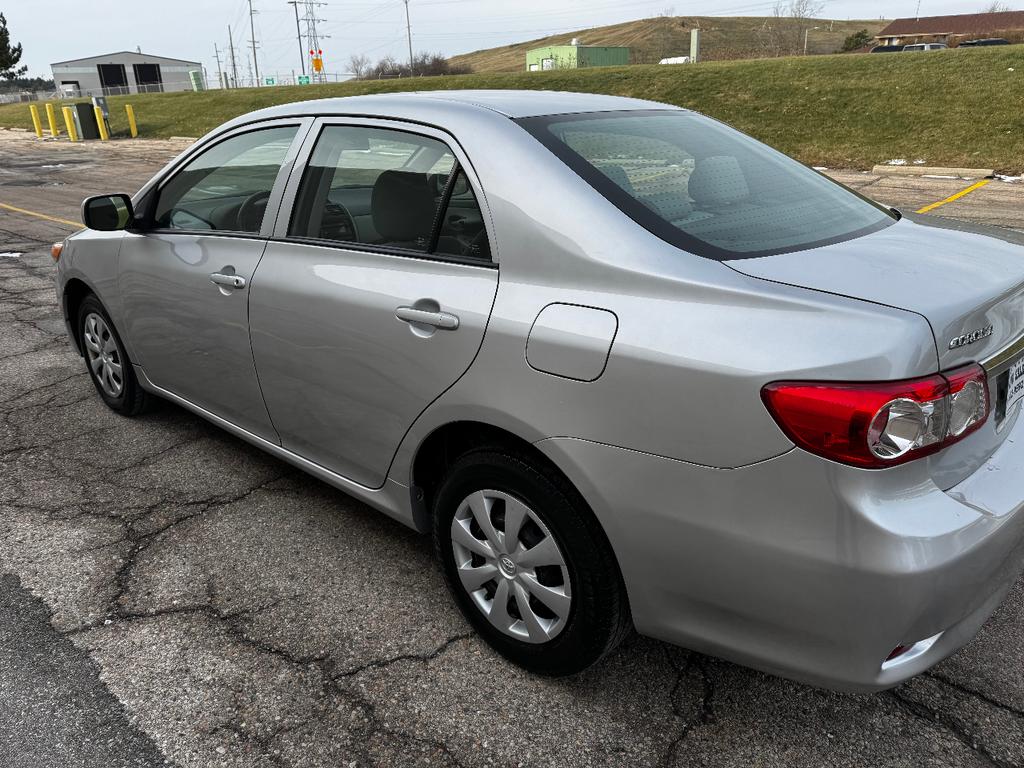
(877, 425)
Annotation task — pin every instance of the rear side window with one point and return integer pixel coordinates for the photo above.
(705, 187)
(391, 189)
(227, 186)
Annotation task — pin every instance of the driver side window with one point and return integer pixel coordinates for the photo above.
(226, 188)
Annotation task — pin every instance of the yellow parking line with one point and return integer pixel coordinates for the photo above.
(957, 196)
(75, 224)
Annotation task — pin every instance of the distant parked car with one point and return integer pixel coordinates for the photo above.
(925, 47)
(627, 364)
(986, 41)
(887, 49)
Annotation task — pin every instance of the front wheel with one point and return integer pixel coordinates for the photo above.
(107, 362)
(527, 563)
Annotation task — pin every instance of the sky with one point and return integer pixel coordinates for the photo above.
(189, 29)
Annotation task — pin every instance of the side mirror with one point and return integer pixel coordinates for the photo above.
(107, 213)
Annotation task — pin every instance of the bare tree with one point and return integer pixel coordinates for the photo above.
(358, 64)
(423, 65)
(996, 6)
(665, 33)
(783, 34)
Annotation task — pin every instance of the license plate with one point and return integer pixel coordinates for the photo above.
(1014, 386)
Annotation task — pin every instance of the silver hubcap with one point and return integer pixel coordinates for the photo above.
(510, 564)
(103, 355)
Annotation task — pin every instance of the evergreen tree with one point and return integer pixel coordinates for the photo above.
(10, 55)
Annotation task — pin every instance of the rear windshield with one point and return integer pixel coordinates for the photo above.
(705, 187)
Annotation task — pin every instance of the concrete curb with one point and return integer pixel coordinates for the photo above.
(929, 170)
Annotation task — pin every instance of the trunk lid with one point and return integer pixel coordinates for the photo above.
(966, 280)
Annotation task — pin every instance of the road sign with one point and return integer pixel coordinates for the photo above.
(270, 81)
(303, 79)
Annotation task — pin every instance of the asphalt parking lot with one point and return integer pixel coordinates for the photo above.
(171, 595)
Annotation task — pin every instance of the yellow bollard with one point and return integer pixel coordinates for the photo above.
(69, 122)
(132, 127)
(36, 122)
(102, 124)
(51, 117)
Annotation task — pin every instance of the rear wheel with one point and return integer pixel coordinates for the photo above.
(527, 564)
(108, 364)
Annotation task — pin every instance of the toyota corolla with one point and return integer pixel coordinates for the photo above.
(628, 366)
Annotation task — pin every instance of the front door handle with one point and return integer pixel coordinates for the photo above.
(446, 321)
(228, 281)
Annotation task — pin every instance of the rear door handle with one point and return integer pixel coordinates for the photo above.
(446, 321)
(229, 281)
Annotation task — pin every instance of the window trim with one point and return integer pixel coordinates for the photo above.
(537, 127)
(149, 197)
(384, 250)
(290, 196)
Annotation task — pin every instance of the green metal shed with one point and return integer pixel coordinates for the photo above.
(575, 57)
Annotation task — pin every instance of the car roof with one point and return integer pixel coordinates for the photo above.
(510, 103)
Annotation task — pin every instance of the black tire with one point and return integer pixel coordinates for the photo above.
(132, 399)
(599, 617)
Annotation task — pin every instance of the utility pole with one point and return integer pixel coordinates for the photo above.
(220, 74)
(298, 31)
(234, 66)
(252, 31)
(408, 33)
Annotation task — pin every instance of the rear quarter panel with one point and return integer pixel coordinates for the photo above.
(695, 340)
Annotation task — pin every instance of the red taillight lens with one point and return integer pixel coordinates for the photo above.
(899, 650)
(880, 424)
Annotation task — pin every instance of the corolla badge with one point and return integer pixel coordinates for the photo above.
(970, 338)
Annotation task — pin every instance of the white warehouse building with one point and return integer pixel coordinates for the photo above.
(126, 72)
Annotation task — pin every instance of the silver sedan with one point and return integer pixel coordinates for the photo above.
(628, 366)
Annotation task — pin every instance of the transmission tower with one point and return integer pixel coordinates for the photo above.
(314, 42)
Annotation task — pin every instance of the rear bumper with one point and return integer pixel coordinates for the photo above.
(805, 568)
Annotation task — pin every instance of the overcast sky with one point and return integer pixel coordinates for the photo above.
(187, 29)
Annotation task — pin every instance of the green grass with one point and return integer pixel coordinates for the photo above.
(956, 107)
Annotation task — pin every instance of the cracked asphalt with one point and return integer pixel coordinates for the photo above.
(172, 595)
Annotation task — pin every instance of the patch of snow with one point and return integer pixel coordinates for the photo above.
(920, 162)
(9, 254)
(1009, 179)
(58, 165)
(899, 161)
(819, 167)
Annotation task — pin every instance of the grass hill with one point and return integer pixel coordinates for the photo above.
(722, 38)
(955, 107)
